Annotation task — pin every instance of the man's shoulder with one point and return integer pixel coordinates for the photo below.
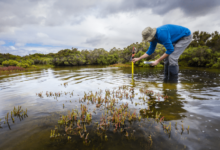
(166, 26)
(162, 34)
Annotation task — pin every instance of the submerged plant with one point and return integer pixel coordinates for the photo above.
(115, 115)
(151, 141)
(188, 129)
(182, 128)
(87, 136)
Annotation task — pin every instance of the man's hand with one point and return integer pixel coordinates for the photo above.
(160, 59)
(142, 57)
(155, 63)
(135, 59)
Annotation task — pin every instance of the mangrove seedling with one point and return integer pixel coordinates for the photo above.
(106, 138)
(69, 137)
(84, 128)
(161, 119)
(151, 141)
(176, 126)
(126, 134)
(139, 117)
(182, 128)
(87, 136)
(81, 135)
(188, 129)
(52, 133)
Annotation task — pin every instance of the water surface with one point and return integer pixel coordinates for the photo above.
(194, 101)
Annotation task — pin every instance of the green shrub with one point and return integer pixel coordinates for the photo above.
(23, 65)
(9, 63)
(5, 63)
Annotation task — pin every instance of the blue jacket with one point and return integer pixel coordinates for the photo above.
(166, 35)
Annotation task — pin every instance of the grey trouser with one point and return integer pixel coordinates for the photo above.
(179, 47)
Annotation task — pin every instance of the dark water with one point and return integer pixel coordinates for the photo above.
(194, 101)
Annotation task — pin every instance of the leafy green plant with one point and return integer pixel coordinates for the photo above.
(9, 63)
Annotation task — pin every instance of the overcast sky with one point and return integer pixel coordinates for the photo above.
(44, 26)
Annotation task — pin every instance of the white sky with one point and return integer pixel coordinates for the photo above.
(30, 26)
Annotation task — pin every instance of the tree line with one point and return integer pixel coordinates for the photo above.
(204, 51)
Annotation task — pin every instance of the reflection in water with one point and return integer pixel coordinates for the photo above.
(193, 101)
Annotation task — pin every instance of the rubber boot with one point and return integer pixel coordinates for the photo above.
(173, 73)
(166, 77)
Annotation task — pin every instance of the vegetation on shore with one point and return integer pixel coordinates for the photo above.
(4, 69)
(204, 51)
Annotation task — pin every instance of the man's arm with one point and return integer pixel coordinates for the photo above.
(160, 59)
(142, 57)
(148, 53)
(165, 38)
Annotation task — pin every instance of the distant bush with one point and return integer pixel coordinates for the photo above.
(9, 63)
(34, 66)
(201, 56)
(23, 65)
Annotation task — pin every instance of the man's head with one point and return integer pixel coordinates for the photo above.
(148, 34)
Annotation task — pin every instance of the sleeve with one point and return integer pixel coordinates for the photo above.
(166, 41)
(152, 47)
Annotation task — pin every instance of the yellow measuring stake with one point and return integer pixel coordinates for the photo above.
(132, 70)
(133, 53)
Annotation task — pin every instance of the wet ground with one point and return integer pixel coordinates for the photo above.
(193, 102)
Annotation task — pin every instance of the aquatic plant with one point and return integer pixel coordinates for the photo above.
(52, 134)
(126, 134)
(115, 117)
(87, 136)
(188, 129)
(69, 137)
(65, 84)
(161, 119)
(151, 141)
(40, 94)
(81, 135)
(20, 113)
(182, 128)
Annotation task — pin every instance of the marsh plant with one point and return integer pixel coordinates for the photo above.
(112, 114)
(16, 112)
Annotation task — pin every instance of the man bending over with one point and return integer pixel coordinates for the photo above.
(175, 39)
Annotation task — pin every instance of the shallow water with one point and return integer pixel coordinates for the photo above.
(194, 101)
